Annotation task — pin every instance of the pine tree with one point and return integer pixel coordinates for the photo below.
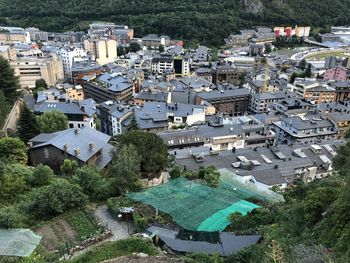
(308, 71)
(9, 83)
(27, 125)
(133, 124)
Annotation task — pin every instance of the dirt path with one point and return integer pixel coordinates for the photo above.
(120, 230)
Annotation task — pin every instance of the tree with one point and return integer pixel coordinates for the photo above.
(151, 148)
(40, 83)
(27, 125)
(13, 150)
(302, 64)
(134, 47)
(268, 48)
(52, 121)
(308, 71)
(68, 167)
(42, 175)
(126, 168)
(9, 83)
(293, 77)
(13, 180)
(133, 124)
(9, 217)
(5, 108)
(55, 199)
(161, 48)
(92, 183)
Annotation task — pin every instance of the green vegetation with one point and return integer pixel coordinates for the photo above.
(27, 125)
(210, 175)
(52, 121)
(116, 249)
(13, 150)
(151, 148)
(84, 223)
(126, 169)
(201, 21)
(9, 85)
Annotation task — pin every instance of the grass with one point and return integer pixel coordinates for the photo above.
(84, 223)
(116, 249)
(322, 55)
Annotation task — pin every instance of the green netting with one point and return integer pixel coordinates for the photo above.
(219, 220)
(18, 242)
(189, 203)
(231, 181)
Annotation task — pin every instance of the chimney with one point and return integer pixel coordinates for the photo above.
(65, 147)
(30, 145)
(76, 130)
(91, 145)
(77, 151)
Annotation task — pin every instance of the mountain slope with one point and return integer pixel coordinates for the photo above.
(206, 21)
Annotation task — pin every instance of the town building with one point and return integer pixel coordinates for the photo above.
(78, 116)
(29, 70)
(161, 63)
(86, 146)
(108, 86)
(276, 166)
(260, 102)
(9, 35)
(234, 102)
(337, 73)
(310, 129)
(181, 66)
(80, 69)
(225, 73)
(104, 51)
(8, 52)
(36, 35)
(69, 55)
(112, 115)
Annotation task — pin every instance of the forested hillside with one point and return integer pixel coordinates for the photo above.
(206, 21)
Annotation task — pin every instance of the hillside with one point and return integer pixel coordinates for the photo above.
(206, 21)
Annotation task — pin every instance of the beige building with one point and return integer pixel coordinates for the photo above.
(31, 69)
(10, 35)
(103, 50)
(7, 52)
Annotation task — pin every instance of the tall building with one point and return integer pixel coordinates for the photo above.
(104, 51)
(181, 66)
(31, 69)
(69, 55)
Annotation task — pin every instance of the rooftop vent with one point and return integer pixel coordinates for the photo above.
(77, 151)
(65, 147)
(91, 145)
(76, 130)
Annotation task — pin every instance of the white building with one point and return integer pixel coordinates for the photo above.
(69, 55)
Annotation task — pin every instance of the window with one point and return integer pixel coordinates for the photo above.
(46, 153)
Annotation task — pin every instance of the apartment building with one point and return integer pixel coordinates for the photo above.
(108, 86)
(337, 73)
(260, 102)
(161, 63)
(233, 102)
(69, 55)
(112, 115)
(29, 70)
(226, 74)
(104, 51)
